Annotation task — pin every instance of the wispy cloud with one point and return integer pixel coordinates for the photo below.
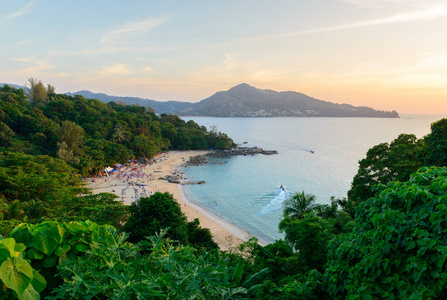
(23, 11)
(139, 26)
(428, 13)
(133, 27)
(425, 13)
(32, 64)
(116, 70)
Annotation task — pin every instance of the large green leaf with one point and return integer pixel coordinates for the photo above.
(16, 273)
(39, 283)
(47, 240)
(19, 247)
(50, 261)
(254, 279)
(21, 233)
(62, 250)
(8, 244)
(34, 254)
(237, 274)
(29, 294)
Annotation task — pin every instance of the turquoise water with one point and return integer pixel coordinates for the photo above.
(244, 190)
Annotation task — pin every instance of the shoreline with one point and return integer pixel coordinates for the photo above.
(138, 180)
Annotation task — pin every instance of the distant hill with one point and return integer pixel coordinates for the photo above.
(16, 86)
(244, 100)
(168, 107)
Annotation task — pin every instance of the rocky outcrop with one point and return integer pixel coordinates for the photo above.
(195, 161)
(241, 151)
(269, 152)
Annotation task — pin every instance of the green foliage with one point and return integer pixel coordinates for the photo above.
(36, 91)
(435, 153)
(41, 178)
(397, 248)
(200, 237)
(99, 208)
(299, 204)
(150, 215)
(385, 163)
(309, 236)
(16, 274)
(115, 269)
(50, 243)
(279, 257)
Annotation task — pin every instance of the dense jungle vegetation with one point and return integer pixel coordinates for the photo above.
(388, 239)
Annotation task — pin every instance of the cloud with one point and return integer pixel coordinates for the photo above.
(23, 11)
(133, 27)
(33, 64)
(116, 70)
(139, 26)
(423, 14)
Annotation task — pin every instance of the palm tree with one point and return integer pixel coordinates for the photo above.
(34, 209)
(120, 134)
(14, 210)
(299, 204)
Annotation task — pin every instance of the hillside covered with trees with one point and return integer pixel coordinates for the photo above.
(388, 239)
(89, 134)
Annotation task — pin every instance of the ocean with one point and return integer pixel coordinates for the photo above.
(316, 155)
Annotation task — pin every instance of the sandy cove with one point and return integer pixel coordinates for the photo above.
(137, 180)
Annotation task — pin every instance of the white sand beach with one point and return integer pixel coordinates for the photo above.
(137, 180)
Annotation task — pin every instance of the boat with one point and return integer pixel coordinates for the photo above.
(312, 151)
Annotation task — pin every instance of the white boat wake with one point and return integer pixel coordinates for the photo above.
(276, 203)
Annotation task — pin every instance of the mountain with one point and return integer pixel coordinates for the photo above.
(168, 107)
(16, 86)
(244, 100)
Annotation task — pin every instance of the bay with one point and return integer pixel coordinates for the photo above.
(244, 190)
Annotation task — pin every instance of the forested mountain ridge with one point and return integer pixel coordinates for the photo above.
(244, 100)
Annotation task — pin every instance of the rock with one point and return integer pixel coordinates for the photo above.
(241, 151)
(196, 161)
(269, 152)
(172, 179)
(144, 160)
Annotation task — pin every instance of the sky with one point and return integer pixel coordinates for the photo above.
(386, 54)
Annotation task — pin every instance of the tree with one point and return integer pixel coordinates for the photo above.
(309, 236)
(26, 177)
(435, 153)
(150, 215)
(72, 135)
(200, 237)
(120, 134)
(14, 210)
(66, 155)
(398, 247)
(36, 91)
(385, 163)
(299, 204)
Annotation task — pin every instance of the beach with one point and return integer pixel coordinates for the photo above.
(136, 180)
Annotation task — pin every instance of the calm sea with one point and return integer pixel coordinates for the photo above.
(244, 190)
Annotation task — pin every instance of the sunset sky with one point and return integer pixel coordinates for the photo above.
(387, 54)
